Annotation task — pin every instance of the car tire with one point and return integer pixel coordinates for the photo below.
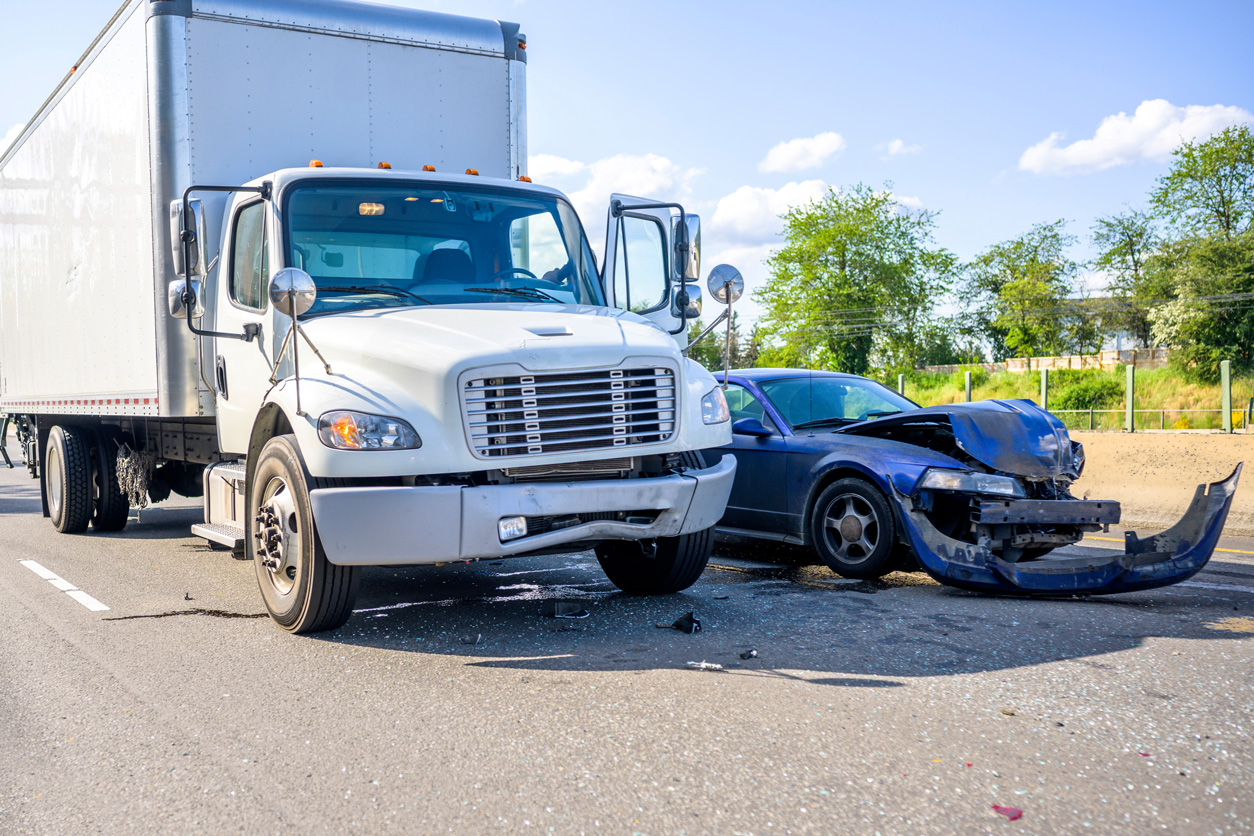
(110, 506)
(853, 530)
(67, 479)
(662, 566)
(302, 590)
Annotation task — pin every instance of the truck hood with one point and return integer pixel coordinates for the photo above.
(448, 337)
(1012, 436)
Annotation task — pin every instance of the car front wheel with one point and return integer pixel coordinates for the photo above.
(853, 530)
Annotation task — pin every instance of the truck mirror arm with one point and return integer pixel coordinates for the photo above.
(617, 208)
(251, 330)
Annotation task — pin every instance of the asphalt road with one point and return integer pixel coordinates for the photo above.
(451, 704)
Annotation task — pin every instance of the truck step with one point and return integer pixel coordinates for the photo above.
(225, 534)
(231, 472)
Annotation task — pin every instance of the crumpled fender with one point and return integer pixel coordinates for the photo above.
(1162, 559)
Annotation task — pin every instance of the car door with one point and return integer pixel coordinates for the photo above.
(759, 497)
(241, 369)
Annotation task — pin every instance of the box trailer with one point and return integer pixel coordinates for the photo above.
(284, 255)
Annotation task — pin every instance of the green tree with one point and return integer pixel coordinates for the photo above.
(1016, 292)
(1126, 243)
(854, 284)
(1210, 188)
(709, 352)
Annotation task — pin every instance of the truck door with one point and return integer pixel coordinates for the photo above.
(239, 370)
(642, 273)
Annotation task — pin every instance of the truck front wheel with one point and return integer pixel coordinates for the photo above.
(656, 567)
(67, 479)
(303, 591)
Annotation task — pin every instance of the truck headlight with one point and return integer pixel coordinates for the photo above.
(345, 430)
(714, 407)
(968, 482)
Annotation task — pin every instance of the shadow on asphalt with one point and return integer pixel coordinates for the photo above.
(801, 619)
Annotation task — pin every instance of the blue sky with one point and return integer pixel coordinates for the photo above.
(687, 101)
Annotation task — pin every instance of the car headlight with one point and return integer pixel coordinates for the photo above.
(714, 407)
(1077, 458)
(345, 430)
(967, 482)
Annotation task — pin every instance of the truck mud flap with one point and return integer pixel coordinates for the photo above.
(1162, 559)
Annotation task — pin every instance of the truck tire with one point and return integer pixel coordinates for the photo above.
(853, 530)
(674, 565)
(111, 508)
(67, 479)
(302, 590)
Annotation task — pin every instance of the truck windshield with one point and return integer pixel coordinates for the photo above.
(368, 246)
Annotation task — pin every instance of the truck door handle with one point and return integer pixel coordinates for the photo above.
(220, 374)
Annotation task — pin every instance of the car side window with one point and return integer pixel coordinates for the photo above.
(250, 263)
(742, 404)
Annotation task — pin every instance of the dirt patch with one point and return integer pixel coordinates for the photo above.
(1153, 475)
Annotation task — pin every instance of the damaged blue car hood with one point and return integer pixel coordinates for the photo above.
(1011, 436)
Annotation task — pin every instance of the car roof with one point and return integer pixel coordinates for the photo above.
(759, 375)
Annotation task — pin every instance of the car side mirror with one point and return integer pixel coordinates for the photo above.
(750, 426)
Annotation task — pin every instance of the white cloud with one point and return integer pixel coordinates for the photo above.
(801, 154)
(751, 262)
(897, 147)
(1150, 133)
(751, 214)
(649, 175)
(911, 203)
(545, 167)
(10, 136)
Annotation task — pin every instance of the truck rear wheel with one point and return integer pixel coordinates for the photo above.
(302, 590)
(110, 508)
(662, 566)
(67, 479)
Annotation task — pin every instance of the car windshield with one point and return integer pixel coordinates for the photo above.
(807, 402)
(369, 246)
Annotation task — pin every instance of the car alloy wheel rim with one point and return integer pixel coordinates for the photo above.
(852, 528)
(278, 535)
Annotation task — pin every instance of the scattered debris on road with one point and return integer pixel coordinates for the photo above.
(685, 624)
(1012, 813)
(705, 666)
(749, 654)
(565, 609)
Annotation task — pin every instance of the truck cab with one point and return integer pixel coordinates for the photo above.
(436, 358)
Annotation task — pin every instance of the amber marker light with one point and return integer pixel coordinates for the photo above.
(524, 178)
(385, 166)
(474, 172)
(315, 163)
(370, 209)
(428, 168)
(344, 428)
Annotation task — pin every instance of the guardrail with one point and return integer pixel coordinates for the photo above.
(1115, 420)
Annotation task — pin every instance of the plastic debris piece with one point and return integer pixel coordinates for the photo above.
(565, 609)
(968, 764)
(1144, 754)
(688, 623)
(1012, 813)
(721, 597)
(705, 666)
(1008, 712)
(187, 596)
(749, 654)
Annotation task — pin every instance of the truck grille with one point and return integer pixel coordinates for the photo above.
(528, 414)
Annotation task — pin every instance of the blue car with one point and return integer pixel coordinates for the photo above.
(976, 493)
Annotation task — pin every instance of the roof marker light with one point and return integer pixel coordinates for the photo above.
(474, 172)
(524, 178)
(315, 163)
(386, 166)
(428, 168)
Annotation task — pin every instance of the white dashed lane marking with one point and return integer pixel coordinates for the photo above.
(65, 586)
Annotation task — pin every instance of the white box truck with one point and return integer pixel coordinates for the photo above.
(284, 255)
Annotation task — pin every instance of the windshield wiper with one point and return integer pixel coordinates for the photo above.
(534, 293)
(822, 422)
(366, 288)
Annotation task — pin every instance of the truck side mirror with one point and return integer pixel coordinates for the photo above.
(174, 297)
(195, 222)
(726, 284)
(689, 271)
(686, 301)
(292, 291)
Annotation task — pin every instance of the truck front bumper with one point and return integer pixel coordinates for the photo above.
(407, 526)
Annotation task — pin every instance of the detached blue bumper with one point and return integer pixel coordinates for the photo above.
(1165, 558)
